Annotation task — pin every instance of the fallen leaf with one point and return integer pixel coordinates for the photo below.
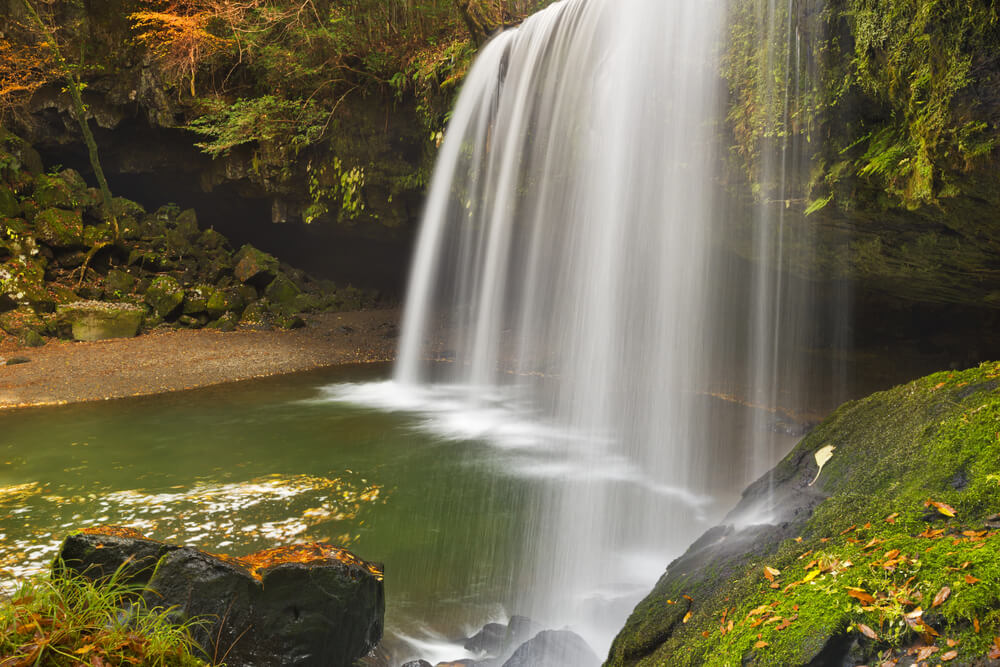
(770, 573)
(761, 644)
(941, 596)
(822, 456)
(892, 517)
(861, 595)
(890, 555)
(969, 579)
(950, 655)
(687, 617)
(815, 573)
(867, 632)
(951, 643)
(975, 625)
(705, 634)
(848, 530)
(943, 508)
(938, 385)
(926, 652)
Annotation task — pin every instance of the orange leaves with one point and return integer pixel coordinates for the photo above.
(687, 617)
(761, 644)
(941, 596)
(892, 517)
(861, 595)
(969, 579)
(770, 573)
(932, 534)
(943, 508)
(994, 653)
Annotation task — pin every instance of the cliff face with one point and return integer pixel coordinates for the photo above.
(873, 128)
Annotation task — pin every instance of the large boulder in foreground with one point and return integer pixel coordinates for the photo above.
(309, 605)
(892, 554)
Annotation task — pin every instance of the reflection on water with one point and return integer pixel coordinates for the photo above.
(443, 492)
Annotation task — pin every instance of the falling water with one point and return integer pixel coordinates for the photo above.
(572, 272)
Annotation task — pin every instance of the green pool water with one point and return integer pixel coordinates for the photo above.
(239, 468)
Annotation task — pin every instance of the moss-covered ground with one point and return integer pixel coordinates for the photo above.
(899, 556)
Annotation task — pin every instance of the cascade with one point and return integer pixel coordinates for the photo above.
(572, 281)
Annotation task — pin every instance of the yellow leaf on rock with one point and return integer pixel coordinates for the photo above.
(687, 617)
(822, 456)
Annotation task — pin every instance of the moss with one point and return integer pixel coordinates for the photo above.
(872, 549)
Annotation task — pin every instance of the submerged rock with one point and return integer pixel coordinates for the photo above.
(841, 566)
(310, 604)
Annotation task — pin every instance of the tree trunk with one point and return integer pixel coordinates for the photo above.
(80, 112)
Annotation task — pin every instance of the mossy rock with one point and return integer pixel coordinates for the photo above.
(187, 224)
(54, 191)
(227, 322)
(196, 299)
(282, 293)
(223, 301)
(10, 207)
(896, 544)
(59, 228)
(20, 321)
(255, 267)
(212, 240)
(102, 320)
(165, 296)
(22, 281)
(257, 315)
(118, 283)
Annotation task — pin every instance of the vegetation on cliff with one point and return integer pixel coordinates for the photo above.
(881, 121)
(280, 80)
(895, 550)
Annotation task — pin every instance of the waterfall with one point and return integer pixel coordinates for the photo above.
(572, 272)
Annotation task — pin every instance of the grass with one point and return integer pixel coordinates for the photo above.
(71, 621)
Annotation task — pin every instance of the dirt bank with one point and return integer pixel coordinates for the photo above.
(66, 372)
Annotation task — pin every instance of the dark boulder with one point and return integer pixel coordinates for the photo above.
(554, 648)
(489, 640)
(309, 605)
(255, 267)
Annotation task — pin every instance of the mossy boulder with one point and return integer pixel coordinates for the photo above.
(255, 267)
(196, 299)
(22, 281)
(894, 547)
(226, 322)
(10, 207)
(165, 296)
(101, 320)
(187, 224)
(59, 228)
(54, 191)
(225, 300)
(282, 293)
(118, 283)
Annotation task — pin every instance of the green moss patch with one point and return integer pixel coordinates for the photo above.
(894, 551)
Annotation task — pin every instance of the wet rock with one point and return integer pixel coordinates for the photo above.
(289, 321)
(98, 553)
(489, 640)
(255, 267)
(417, 663)
(100, 320)
(554, 648)
(308, 605)
(257, 315)
(212, 240)
(59, 228)
(165, 296)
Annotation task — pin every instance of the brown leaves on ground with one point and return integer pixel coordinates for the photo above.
(941, 596)
(867, 632)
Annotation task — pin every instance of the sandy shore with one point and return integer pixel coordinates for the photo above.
(66, 372)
